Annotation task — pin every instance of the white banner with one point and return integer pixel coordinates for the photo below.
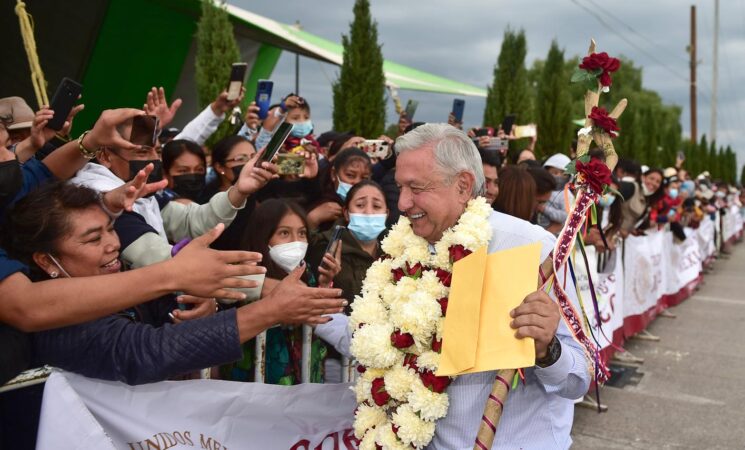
(683, 262)
(83, 413)
(645, 275)
(705, 237)
(606, 285)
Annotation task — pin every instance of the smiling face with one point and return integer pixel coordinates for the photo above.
(91, 248)
(430, 201)
(652, 181)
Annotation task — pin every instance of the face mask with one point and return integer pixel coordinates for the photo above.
(288, 256)
(11, 180)
(367, 227)
(561, 181)
(688, 186)
(673, 193)
(59, 266)
(343, 189)
(606, 200)
(189, 185)
(135, 165)
(237, 172)
(301, 129)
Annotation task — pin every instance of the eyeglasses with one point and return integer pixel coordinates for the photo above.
(241, 159)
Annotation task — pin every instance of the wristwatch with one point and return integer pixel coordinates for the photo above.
(552, 354)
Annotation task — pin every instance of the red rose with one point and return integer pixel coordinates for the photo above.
(401, 340)
(433, 382)
(361, 369)
(398, 274)
(415, 271)
(443, 304)
(444, 276)
(436, 344)
(603, 62)
(410, 362)
(601, 119)
(379, 394)
(595, 173)
(458, 252)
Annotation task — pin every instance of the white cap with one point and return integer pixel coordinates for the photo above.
(559, 161)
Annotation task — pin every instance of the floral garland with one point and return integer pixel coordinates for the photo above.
(397, 325)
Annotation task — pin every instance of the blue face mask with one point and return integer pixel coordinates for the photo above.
(301, 129)
(343, 189)
(606, 200)
(673, 193)
(367, 227)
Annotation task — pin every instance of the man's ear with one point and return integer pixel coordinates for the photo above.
(104, 157)
(465, 182)
(44, 262)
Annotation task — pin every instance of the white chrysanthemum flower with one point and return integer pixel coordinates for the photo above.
(398, 382)
(411, 429)
(428, 360)
(368, 441)
(367, 309)
(430, 405)
(418, 316)
(371, 346)
(401, 292)
(440, 327)
(430, 284)
(387, 438)
(368, 417)
(363, 390)
(393, 244)
(377, 276)
(371, 374)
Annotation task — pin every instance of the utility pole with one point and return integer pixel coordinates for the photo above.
(715, 62)
(692, 51)
(297, 64)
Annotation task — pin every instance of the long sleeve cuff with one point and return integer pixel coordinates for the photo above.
(557, 373)
(336, 333)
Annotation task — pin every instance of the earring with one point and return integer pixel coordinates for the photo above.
(222, 172)
(53, 274)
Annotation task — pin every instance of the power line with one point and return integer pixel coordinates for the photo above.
(651, 56)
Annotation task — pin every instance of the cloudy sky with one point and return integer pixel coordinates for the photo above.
(461, 40)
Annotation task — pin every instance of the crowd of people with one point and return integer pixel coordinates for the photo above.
(142, 263)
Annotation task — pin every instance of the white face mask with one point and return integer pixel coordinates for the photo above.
(56, 263)
(288, 256)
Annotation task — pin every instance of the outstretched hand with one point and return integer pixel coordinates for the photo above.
(124, 197)
(157, 105)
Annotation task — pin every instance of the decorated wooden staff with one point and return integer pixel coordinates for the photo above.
(592, 177)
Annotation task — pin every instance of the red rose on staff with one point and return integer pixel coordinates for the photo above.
(595, 173)
(603, 62)
(379, 394)
(401, 340)
(601, 119)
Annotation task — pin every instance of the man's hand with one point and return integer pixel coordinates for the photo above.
(453, 122)
(40, 135)
(294, 302)
(311, 162)
(222, 105)
(330, 267)
(124, 197)
(67, 126)
(403, 123)
(203, 307)
(203, 272)
(252, 116)
(536, 317)
(104, 133)
(157, 105)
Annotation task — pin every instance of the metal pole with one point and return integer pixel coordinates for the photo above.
(297, 64)
(305, 354)
(694, 111)
(715, 63)
(260, 358)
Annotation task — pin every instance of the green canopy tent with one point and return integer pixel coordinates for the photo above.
(119, 48)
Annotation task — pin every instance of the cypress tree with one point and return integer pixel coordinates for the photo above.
(742, 176)
(509, 92)
(217, 50)
(359, 93)
(553, 105)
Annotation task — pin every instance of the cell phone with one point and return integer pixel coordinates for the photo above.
(459, 106)
(411, 106)
(63, 101)
(144, 130)
(523, 131)
(278, 139)
(375, 148)
(264, 97)
(237, 76)
(508, 122)
(334, 241)
(487, 131)
(290, 164)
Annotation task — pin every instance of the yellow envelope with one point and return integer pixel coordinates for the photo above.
(477, 336)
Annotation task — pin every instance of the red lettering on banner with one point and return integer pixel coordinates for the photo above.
(346, 438)
(350, 441)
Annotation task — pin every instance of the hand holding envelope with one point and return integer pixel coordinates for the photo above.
(477, 336)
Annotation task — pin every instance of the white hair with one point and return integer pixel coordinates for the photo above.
(454, 151)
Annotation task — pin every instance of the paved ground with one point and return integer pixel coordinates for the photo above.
(692, 394)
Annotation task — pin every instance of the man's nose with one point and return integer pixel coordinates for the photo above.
(405, 200)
